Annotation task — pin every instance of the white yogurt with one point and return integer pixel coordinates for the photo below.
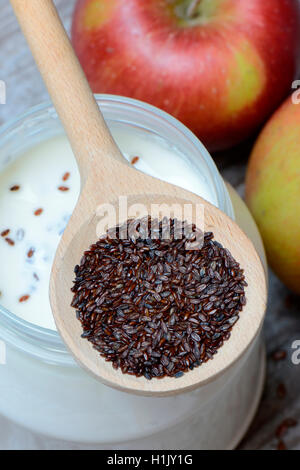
(39, 173)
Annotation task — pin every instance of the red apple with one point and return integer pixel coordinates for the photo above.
(219, 66)
(273, 191)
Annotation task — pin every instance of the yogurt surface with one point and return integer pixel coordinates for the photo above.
(38, 193)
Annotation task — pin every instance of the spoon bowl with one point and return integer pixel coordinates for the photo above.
(75, 243)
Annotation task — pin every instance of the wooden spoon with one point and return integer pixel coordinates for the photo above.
(105, 175)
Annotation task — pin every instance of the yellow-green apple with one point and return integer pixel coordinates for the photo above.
(219, 66)
(273, 191)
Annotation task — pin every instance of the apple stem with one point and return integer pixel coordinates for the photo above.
(191, 10)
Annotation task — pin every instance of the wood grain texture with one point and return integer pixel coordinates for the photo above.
(282, 326)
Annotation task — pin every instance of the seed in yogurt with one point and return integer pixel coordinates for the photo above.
(63, 188)
(134, 160)
(151, 306)
(24, 298)
(38, 212)
(66, 176)
(5, 233)
(16, 187)
(30, 253)
(9, 241)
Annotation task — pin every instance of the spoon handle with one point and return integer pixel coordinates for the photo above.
(67, 85)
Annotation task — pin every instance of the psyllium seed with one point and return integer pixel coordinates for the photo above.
(284, 427)
(38, 212)
(5, 233)
(134, 160)
(279, 355)
(14, 188)
(30, 253)
(9, 241)
(154, 307)
(66, 176)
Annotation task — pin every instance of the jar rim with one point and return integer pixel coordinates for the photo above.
(46, 344)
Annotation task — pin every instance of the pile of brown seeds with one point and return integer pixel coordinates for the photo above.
(154, 308)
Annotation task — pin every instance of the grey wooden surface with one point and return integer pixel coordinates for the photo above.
(25, 88)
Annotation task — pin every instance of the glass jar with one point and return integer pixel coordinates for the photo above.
(44, 390)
